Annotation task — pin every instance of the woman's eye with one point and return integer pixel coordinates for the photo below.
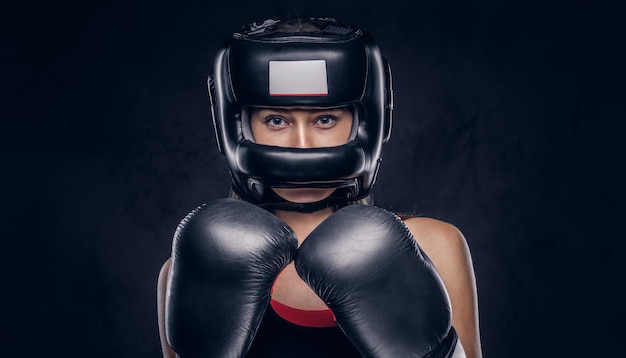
(326, 121)
(275, 121)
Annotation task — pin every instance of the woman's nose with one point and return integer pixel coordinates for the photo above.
(301, 137)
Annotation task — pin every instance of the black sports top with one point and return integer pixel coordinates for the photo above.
(278, 338)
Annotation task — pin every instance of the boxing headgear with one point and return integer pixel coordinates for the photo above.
(339, 65)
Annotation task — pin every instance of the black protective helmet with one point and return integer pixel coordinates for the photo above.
(337, 65)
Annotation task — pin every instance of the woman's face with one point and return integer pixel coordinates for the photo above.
(302, 128)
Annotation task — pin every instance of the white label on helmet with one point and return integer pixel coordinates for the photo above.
(298, 78)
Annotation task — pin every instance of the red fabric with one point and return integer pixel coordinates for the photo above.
(306, 318)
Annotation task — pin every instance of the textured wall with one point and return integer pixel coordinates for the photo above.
(508, 124)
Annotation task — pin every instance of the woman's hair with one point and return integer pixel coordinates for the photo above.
(404, 216)
(296, 25)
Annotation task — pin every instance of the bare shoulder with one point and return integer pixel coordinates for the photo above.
(447, 248)
(437, 238)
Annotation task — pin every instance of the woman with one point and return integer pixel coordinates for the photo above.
(301, 110)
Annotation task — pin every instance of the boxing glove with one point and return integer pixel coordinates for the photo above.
(225, 257)
(385, 293)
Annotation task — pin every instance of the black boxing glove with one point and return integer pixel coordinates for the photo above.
(225, 258)
(385, 293)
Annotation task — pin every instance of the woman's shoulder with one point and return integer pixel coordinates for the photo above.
(443, 242)
(446, 247)
(434, 232)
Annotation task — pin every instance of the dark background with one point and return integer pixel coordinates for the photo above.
(508, 124)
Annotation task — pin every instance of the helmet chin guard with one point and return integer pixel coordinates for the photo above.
(339, 65)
